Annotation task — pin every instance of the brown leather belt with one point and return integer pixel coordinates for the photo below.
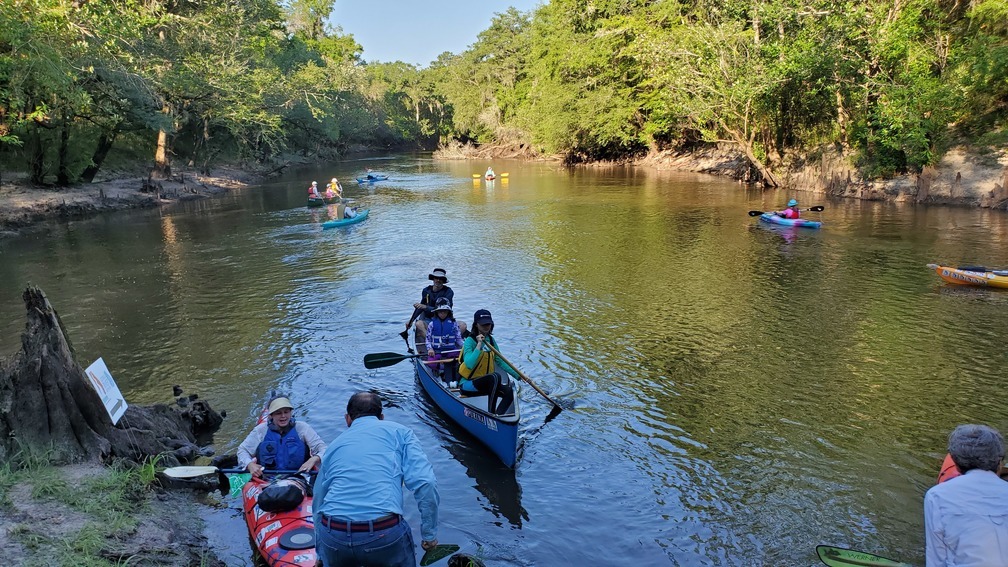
(383, 523)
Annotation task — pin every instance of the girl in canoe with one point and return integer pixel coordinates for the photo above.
(444, 340)
(477, 371)
(791, 212)
(334, 189)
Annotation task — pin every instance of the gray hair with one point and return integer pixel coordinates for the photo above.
(976, 447)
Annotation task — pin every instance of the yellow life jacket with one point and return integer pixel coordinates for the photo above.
(484, 365)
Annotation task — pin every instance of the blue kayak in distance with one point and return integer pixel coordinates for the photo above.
(802, 223)
(372, 178)
(361, 215)
(498, 432)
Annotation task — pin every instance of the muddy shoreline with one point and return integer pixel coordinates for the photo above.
(962, 178)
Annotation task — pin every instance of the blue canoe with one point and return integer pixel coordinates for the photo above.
(361, 215)
(372, 178)
(774, 219)
(498, 432)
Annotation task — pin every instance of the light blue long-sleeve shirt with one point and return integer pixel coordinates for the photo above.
(363, 472)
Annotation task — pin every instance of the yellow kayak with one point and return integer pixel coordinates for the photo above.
(972, 275)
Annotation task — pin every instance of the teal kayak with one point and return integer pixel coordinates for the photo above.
(774, 219)
(346, 222)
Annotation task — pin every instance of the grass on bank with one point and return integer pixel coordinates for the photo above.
(111, 502)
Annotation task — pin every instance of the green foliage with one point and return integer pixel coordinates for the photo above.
(598, 79)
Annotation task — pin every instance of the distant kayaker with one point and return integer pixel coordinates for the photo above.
(791, 212)
(313, 191)
(966, 517)
(280, 443)
(358, 495)
(444, 340)
(428, 301)
(490, 173)
(477, 371)
(334, 189)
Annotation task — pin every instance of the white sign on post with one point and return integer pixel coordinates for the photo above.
(102, 382)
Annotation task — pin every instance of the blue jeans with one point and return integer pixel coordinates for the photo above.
(392, 547)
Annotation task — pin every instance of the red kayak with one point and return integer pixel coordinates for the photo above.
(283, 539)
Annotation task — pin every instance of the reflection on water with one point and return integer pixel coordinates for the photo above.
(742, 393)
(497, 483)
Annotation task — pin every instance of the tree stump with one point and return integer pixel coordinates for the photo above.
(49, 408)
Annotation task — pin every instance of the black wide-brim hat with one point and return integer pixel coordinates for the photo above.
(438, 273)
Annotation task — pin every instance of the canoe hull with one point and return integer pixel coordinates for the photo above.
(497, 433)
(346, 222)
(316, 202)
(801, 223)
(969, 277)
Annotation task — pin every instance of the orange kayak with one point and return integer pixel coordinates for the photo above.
(972, 275)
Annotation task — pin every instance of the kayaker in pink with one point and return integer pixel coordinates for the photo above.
(791, 212)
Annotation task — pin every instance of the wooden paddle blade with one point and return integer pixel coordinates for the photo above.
(755, 213)
(840, 557)
(383, 359)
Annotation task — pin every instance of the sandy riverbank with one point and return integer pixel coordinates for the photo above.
(22, 205)
(89, 514)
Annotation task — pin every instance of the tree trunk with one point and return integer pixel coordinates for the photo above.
(51, 410)
(105, 142)
(36, 160)
(62, 175)
(162, 167)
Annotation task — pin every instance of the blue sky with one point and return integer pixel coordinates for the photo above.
(418, 31)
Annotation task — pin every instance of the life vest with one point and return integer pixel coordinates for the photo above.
(442, 333)
(484, 364)
(791, 213)
(313, 191)
(287, 452)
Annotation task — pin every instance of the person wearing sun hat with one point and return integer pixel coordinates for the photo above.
(280, 442)
(429, 297)
(791, 212)
(444, 340)
(313, 191)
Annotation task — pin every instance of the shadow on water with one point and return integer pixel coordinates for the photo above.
(493, 480)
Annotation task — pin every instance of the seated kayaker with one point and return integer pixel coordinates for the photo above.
(280, 443)
(444, 340)
(965, 516)
(490, 173)
(313, 192)
(349, 212)
(791, 212)
(334, 189)
(477, 376)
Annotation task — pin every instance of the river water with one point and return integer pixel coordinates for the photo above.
(741, 393)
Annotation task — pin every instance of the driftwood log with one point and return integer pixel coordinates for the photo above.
(48, 406)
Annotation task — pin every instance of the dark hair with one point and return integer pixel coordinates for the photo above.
(976, 447)
(362, 404)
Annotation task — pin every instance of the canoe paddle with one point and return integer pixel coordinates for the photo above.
(817, 209)
(383, 359)
(840, 557)
(405, 333)
(556, 406)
